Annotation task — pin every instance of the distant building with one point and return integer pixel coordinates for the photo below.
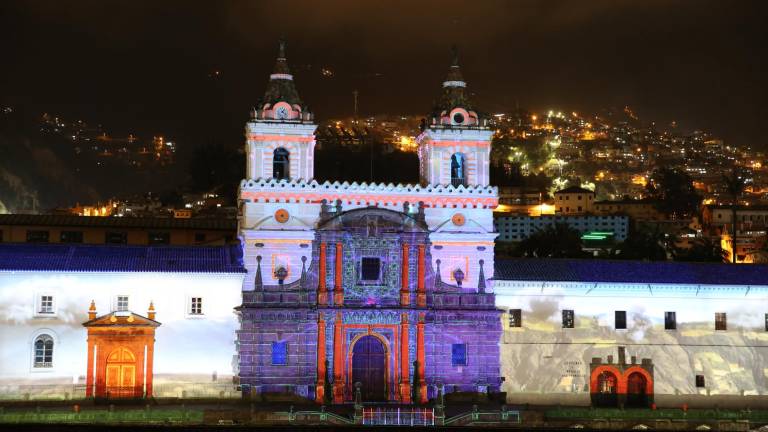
(519, 227)
(17, 228)
(574, 200)
(746, 216)
(637, 210)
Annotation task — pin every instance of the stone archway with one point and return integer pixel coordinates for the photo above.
(637, 390)
(369, 368)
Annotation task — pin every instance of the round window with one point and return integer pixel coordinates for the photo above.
(458, 118)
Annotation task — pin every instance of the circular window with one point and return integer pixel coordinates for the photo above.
(458, 118)
(281, 216)
(458, 219)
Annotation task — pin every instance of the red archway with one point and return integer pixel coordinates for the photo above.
(605, 386)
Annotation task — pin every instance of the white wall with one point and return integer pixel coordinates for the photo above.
(186, 348)
(543, 358)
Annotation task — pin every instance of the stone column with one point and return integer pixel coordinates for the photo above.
(421, 297)
(89, 377)
(322, 289)
(338, 294)
(420, 356)
(338, 360)
(320, 389)
(405, 294)
(405, 364)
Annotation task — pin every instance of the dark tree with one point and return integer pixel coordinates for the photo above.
(704, 249)
(644, 243)
(554, 241)
(734, 184)
(673, 189)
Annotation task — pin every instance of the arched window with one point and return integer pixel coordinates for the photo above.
(458, 170)
(280, 164)
(44, 351)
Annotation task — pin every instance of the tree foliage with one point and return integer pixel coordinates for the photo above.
(674, 191)
(554, 241)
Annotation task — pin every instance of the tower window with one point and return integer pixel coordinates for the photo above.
(122, 303)
(44, 351)
(369, 269)
(458, 170)
(280, 164)
(458, 118)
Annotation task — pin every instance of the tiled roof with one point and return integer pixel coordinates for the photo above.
(109, 258)
(119, 222)
(654, 272)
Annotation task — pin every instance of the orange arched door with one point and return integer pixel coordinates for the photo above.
(606, 393)
(637, 390)
(121, 374)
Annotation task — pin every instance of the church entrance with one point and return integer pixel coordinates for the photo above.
(121, 375)
(369, 368)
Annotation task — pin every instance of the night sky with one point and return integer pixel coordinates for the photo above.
(149, 66)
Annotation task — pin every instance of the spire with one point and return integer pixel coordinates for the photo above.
(151, 310)
(258, 284)
(281, 86)
(303, 279)
(481, 279)
(454, 77)
(92, 311)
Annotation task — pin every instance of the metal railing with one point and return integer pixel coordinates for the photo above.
(382, 416)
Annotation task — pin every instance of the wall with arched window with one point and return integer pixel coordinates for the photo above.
(281, 164)
(44, 343)
(458, 169)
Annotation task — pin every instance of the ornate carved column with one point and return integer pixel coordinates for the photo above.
(421, 293)
(405, 294)
(338, 360)
(420, 356)
(405, 364)
(338, 294)
(322, 289)
(320, 389)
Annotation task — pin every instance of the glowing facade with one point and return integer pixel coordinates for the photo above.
(386, 286)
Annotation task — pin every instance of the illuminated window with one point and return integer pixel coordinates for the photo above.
(369, 268)
(279, 353)
(700, 381)
(122, 303)
(280, 164)
(569, 318)
(43, 351)
(620, 320)
(720, 321)
(196, 306)
(459, 354)
(515, 318)
(670, 321)
(46, 304)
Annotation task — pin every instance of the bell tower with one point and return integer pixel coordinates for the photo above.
(280, 141)
(455, 143)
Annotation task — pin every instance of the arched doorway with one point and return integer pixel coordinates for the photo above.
(121, 374)
(607, 390)
(369, 360)
(637, 390)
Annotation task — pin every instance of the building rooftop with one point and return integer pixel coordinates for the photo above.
(119, 222)
(643, 272)
(574, 189)
(111, 258)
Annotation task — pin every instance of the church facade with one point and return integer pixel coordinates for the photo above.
(379, 286)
